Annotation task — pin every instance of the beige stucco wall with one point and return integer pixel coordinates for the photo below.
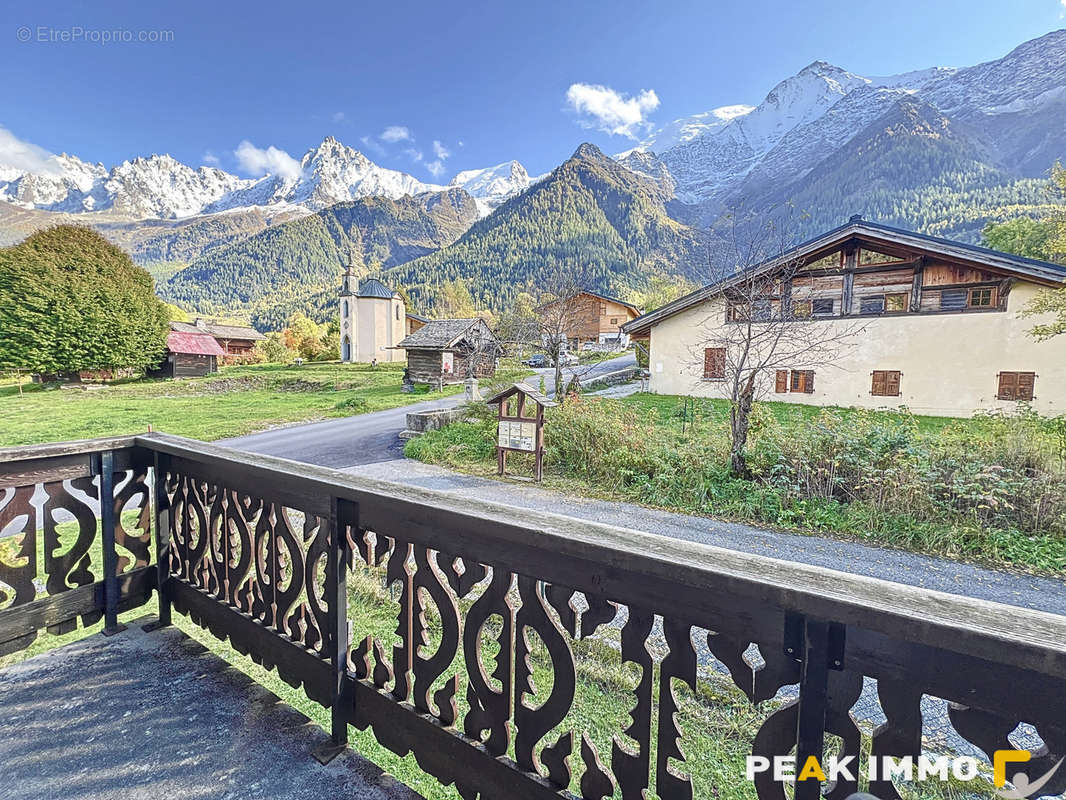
(376, 325)
(949, 362)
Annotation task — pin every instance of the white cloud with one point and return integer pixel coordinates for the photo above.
(440, 151)
(272, 161)
(371, 144)
(396, 133)
(611, 111)
(210, 158)
(14, 152)
(338, 116)
(413, 153)
(436, 168)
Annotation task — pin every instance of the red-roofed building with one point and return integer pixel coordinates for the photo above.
(190, 355)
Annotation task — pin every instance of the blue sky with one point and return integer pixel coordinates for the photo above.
(432, 88)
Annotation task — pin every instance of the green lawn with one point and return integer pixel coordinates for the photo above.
(235, 401)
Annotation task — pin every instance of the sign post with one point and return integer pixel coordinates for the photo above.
(517, 430)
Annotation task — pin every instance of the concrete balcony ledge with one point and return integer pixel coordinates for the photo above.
(144, 716)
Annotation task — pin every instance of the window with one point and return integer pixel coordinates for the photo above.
(831, 261)
(803, 380)
(981, 298)
(714, 363)
(345, 308)
(823, 307)
(896, 303)
(874, 304)
(398, 312)
(885, 383)
(614, 320)
(603, 309)
(953, 299)
(781, 381)
(1016, 385)
(874, 257)
(761, 310)
(801, 309)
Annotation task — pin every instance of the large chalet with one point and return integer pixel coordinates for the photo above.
(939, 326)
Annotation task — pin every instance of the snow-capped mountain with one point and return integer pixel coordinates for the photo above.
(711, 153)
(493, 185)
(1012, 108)
(160, 187)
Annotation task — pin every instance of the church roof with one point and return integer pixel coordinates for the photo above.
(372, 287)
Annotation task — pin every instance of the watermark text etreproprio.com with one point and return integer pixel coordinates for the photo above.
(49, 34)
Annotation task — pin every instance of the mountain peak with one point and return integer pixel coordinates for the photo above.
(589, 152)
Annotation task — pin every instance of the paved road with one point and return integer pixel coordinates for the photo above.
(371, 438)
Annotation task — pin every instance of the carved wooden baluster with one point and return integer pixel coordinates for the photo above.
(140, 545)
(679, 663)
(490, 710)
(265, 562)
(240, 547)
(429, 669)
(19, 578)
(69, 569)
(596, 782)
(289, 568)
(632, 769)
(316, 538)
(403, 652)
(532, 724)
(901, 733)
(196, 530)
(216, 556)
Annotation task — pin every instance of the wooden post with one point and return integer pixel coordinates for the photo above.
(813, 701)
(105, 469)
(162, 538)
(343, 514)
(539, 468)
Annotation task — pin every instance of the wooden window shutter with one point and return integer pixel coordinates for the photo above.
(878, 387)
(1026, 384)
(892, 383)
(781, 385)
(809, 387)
(714, 362)
(1008, 386)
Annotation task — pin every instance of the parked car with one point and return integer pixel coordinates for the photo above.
(539, 360)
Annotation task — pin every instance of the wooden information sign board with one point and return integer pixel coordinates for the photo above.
(517, 430)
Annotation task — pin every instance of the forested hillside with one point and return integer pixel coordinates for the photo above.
(289, 263)
(911, 169)
(591, 217)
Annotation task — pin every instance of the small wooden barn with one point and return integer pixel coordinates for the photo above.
(448, 350)
(190, 355)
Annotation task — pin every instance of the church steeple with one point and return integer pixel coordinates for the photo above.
(350, 282)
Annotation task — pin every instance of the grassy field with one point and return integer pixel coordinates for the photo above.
(991, 489)
(232, 402)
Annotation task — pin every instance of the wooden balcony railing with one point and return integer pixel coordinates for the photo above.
(259, 550)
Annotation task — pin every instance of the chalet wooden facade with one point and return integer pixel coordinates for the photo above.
(938, 325)
(593, 319)
(189, 355)
(446, 351)
(237, 341)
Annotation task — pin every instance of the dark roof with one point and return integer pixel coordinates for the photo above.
(372, 287)
(530, 392)
(438, 334)
(201, 344)
(1040, 271)
(419, 317)
(218, 331)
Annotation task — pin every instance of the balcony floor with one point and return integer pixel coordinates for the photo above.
(145, 716)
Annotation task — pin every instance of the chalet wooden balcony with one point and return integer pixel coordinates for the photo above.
(262, 552)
